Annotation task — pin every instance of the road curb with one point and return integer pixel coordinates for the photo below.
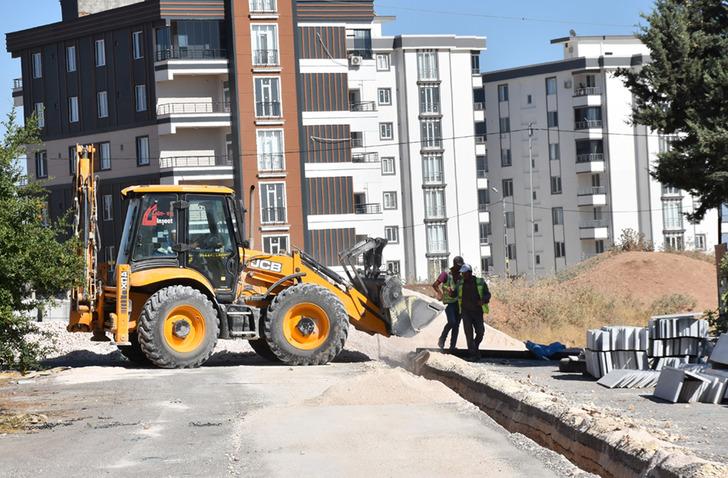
(598, 444)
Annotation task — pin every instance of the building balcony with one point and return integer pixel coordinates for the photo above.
(171, 116)
(587, 91)
(590, 163)
(594, 196)
(479, 106)
(483, 213)
(485, 249)
(265, 58)
(588, 124)
(191, 54)
(196, 162)
(594, 230)
(263, 7)
(431, 144)
(195, 168)
(173, 62)
(268, 109)
(437, 248)
(357, 141)
(273, 216)
(271, 164)
(371, 208)
(167, 109)
(435, 213)
(18, 92)
(363, 106)
(371, 157)
(430, 109)
(480, 139)
(433, 179)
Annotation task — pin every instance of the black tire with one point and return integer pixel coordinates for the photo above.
(337, 318)
(134, 352)
(261, 347)
(151, 327)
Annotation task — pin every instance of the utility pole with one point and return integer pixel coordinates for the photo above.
(533, 222)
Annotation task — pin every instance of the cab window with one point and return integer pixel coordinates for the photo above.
(157, 231)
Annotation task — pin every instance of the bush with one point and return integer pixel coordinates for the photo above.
(673, 304)
(631, 240)
(718, 322)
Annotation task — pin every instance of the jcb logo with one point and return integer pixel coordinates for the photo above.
(267, 265)
(124, 291)
(124, 281)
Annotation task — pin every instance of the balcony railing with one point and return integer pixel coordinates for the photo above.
(436, 212)
(483, 207)
(371, 157)
(265, 57)
(478, 106)
(480, 139)
(273, 215)
(268, 109)
(481, 173)
(431, 143)
(437, 247)
(589, 157)
(371, 208)
(193, 108)
(363, 106)
(430, 108)
(594, 224)
(587, 124)
(18, 84)
(587, 91)
(190, 54)
(357, 142)
(594, 190)
(271, 163)
(263, 6)
(194, 161)
(433, 178)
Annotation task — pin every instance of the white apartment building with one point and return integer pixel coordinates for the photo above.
(589, 165)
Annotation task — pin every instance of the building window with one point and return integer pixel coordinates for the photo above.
(700, 243)
(70, 59)
(37, 65)
(555, 184)
(435, 204)
(382, 62)
(385, 96)
(557, 216)
(554, 151)
(507, 188)
(674, 242)
(390, 200)
(265, 45)
(436, 239)
(102, 102)
(388, 167)
(672, 217)
(105, 156)
(270, 150)
(386, 131)
(362, 43)
(275, 244)
(475, 62)
(485, 231)
(141, 98)
(142, 150)
(588, 117)
(429, 99)
(357, 139)
(72, 160)
(40, 114)
(511, 252)
(670, 191)
(551, 85)
(427, 65)
(263, 6)
(538, 260)
(432, 169)
(73, 109)
(273, 203)
(393, 267)
(483, 200)
(431, 131)
(138, 45)
(529, 99)
(552, 119)
(267, 98)
(481, 166)
(100, 53)
(41, 164)
(505, 125)
(502, 92)
(599, 246)
(108, 206)
(391, 233)
(510, 219)
(506, 158)
(560, 249)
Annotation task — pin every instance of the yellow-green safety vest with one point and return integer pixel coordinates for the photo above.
(480, 285)
(449, 285)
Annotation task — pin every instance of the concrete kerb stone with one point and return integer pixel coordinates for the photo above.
(593, 441)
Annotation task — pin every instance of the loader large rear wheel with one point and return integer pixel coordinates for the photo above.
(134, 352)
(260, 345)
(178, 328)
(306, 325)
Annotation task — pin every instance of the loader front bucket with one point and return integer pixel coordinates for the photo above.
(411, 314)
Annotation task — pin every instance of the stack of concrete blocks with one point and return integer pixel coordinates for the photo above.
(616, 348)
(677, 340)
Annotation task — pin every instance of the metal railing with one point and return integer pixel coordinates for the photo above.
(265, 57)
(193, 108)
(194, 161)
(481, 173)
(436, 212)
(587, 91)
(190, 54)
(363, 106)
(273, 215)
(592, 191)
(268, 109)
(357, 142)
(433, 178)
(589, 157)
(483, 207)
(430, 108)
(371, 208)
(587, 124)
(481, 139)
(437, 247)
(431, 143)
(371, 157)
(263, 6)
(18, 84)
(479, 106)
(594, 224)
(271, 163)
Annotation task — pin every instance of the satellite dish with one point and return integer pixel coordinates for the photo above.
(572, 33)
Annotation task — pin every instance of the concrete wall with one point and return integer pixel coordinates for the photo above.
(78, 8)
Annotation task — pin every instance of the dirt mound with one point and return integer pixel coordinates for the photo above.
(647, 276)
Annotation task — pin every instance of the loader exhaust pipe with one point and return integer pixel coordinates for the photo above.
(251, 208)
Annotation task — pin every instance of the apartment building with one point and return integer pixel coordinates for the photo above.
(339, 131)
(560, 144)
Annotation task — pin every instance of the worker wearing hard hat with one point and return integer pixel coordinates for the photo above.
(446, 289)
(473, 299)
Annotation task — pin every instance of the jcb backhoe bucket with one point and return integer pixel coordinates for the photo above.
(411, 314)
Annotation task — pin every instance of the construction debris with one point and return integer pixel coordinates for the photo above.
(630, 379)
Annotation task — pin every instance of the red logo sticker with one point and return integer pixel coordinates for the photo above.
(153, 216)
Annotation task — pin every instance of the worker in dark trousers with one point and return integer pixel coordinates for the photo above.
(446, 289)
(473, 298)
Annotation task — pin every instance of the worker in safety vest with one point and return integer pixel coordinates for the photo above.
(473, 299)
(448, 295)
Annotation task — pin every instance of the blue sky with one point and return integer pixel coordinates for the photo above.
(511, 42)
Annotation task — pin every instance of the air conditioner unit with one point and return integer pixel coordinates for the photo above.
(567, 84)
(355, 60)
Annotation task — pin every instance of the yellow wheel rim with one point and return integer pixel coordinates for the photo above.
(184, 329)
(306, 326)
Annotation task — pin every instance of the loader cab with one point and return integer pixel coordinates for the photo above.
(193, 227)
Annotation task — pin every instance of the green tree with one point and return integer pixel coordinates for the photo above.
(34, 256)
(684, 91)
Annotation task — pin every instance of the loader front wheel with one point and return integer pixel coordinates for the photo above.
(306, 325)
(260, 345)
(178, 328)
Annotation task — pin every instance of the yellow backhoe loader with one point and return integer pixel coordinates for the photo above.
(184, 277)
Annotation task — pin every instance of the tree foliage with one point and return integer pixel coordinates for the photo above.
(683, 91)
(36, 262)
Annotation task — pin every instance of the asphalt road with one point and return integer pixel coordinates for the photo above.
(345, 419)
